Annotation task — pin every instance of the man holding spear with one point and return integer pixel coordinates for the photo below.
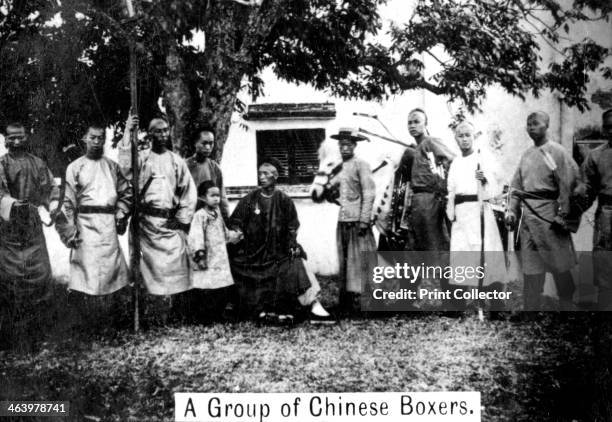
(471, 184)
(168, 200)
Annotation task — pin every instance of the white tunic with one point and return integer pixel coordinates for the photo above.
(208, 233)
(465, 232)
(97, 266)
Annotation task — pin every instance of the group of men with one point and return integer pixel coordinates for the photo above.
(92, 208)
(548, 195)
(549, 192)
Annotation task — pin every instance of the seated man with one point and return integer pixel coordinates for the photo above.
(267, 265)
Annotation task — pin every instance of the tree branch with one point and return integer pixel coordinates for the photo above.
(404, 82)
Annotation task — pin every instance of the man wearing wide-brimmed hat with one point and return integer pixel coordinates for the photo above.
(354, 234)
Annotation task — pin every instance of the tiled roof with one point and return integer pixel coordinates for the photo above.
(275, 111)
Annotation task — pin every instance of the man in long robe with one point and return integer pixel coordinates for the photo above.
(596, 173)
(202, 167)
(544, 183)
(354, 233)
(96, 207)
(168, 200)
(268, 265)
(471, 183)
(26, 183)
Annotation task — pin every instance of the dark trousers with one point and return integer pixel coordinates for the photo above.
(602, 256)
(534, 286)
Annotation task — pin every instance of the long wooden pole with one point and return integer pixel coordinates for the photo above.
(134, 226)
(482, 239)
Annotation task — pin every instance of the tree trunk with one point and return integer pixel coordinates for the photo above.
(177, 99)
(233, 32)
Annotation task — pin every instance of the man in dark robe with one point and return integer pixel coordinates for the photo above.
(267, 264)
(428, 220)
(596, 173)
(202, 167)
(25, 184)
(428, 176)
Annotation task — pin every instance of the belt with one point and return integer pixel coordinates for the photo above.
(604, 199)
(459, 199)
(157, 212)
(96, 209)
(419, 189)
(539, 194)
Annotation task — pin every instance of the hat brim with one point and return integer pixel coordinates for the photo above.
(347, 137)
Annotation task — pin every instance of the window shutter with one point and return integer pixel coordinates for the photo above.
(296, 149)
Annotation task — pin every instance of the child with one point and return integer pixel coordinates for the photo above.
(210, 269)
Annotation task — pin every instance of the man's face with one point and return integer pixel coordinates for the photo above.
(606, 127)
(160, 134)
(267, 175)
(416, 124)
(537, 127)
(204, 145)
(464, 135)
(94, 142)
(347, 148)
(15, 138)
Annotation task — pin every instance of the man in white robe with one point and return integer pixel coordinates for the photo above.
(96, 209)
(168, 200)
(471, 183)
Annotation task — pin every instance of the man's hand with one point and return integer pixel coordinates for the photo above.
(363, 228)
(481, 177)
(559, 225)
(510, 221)
(294, 252)
(234, 236)
(132, 122)
(75, 242)
(201, 260)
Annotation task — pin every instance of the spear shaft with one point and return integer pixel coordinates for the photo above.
(134, 226)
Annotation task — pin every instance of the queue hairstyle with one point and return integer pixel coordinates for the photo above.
(419, 110)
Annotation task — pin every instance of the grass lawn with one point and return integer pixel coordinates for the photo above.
(555, 369)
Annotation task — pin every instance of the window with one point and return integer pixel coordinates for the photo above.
(296, 149)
